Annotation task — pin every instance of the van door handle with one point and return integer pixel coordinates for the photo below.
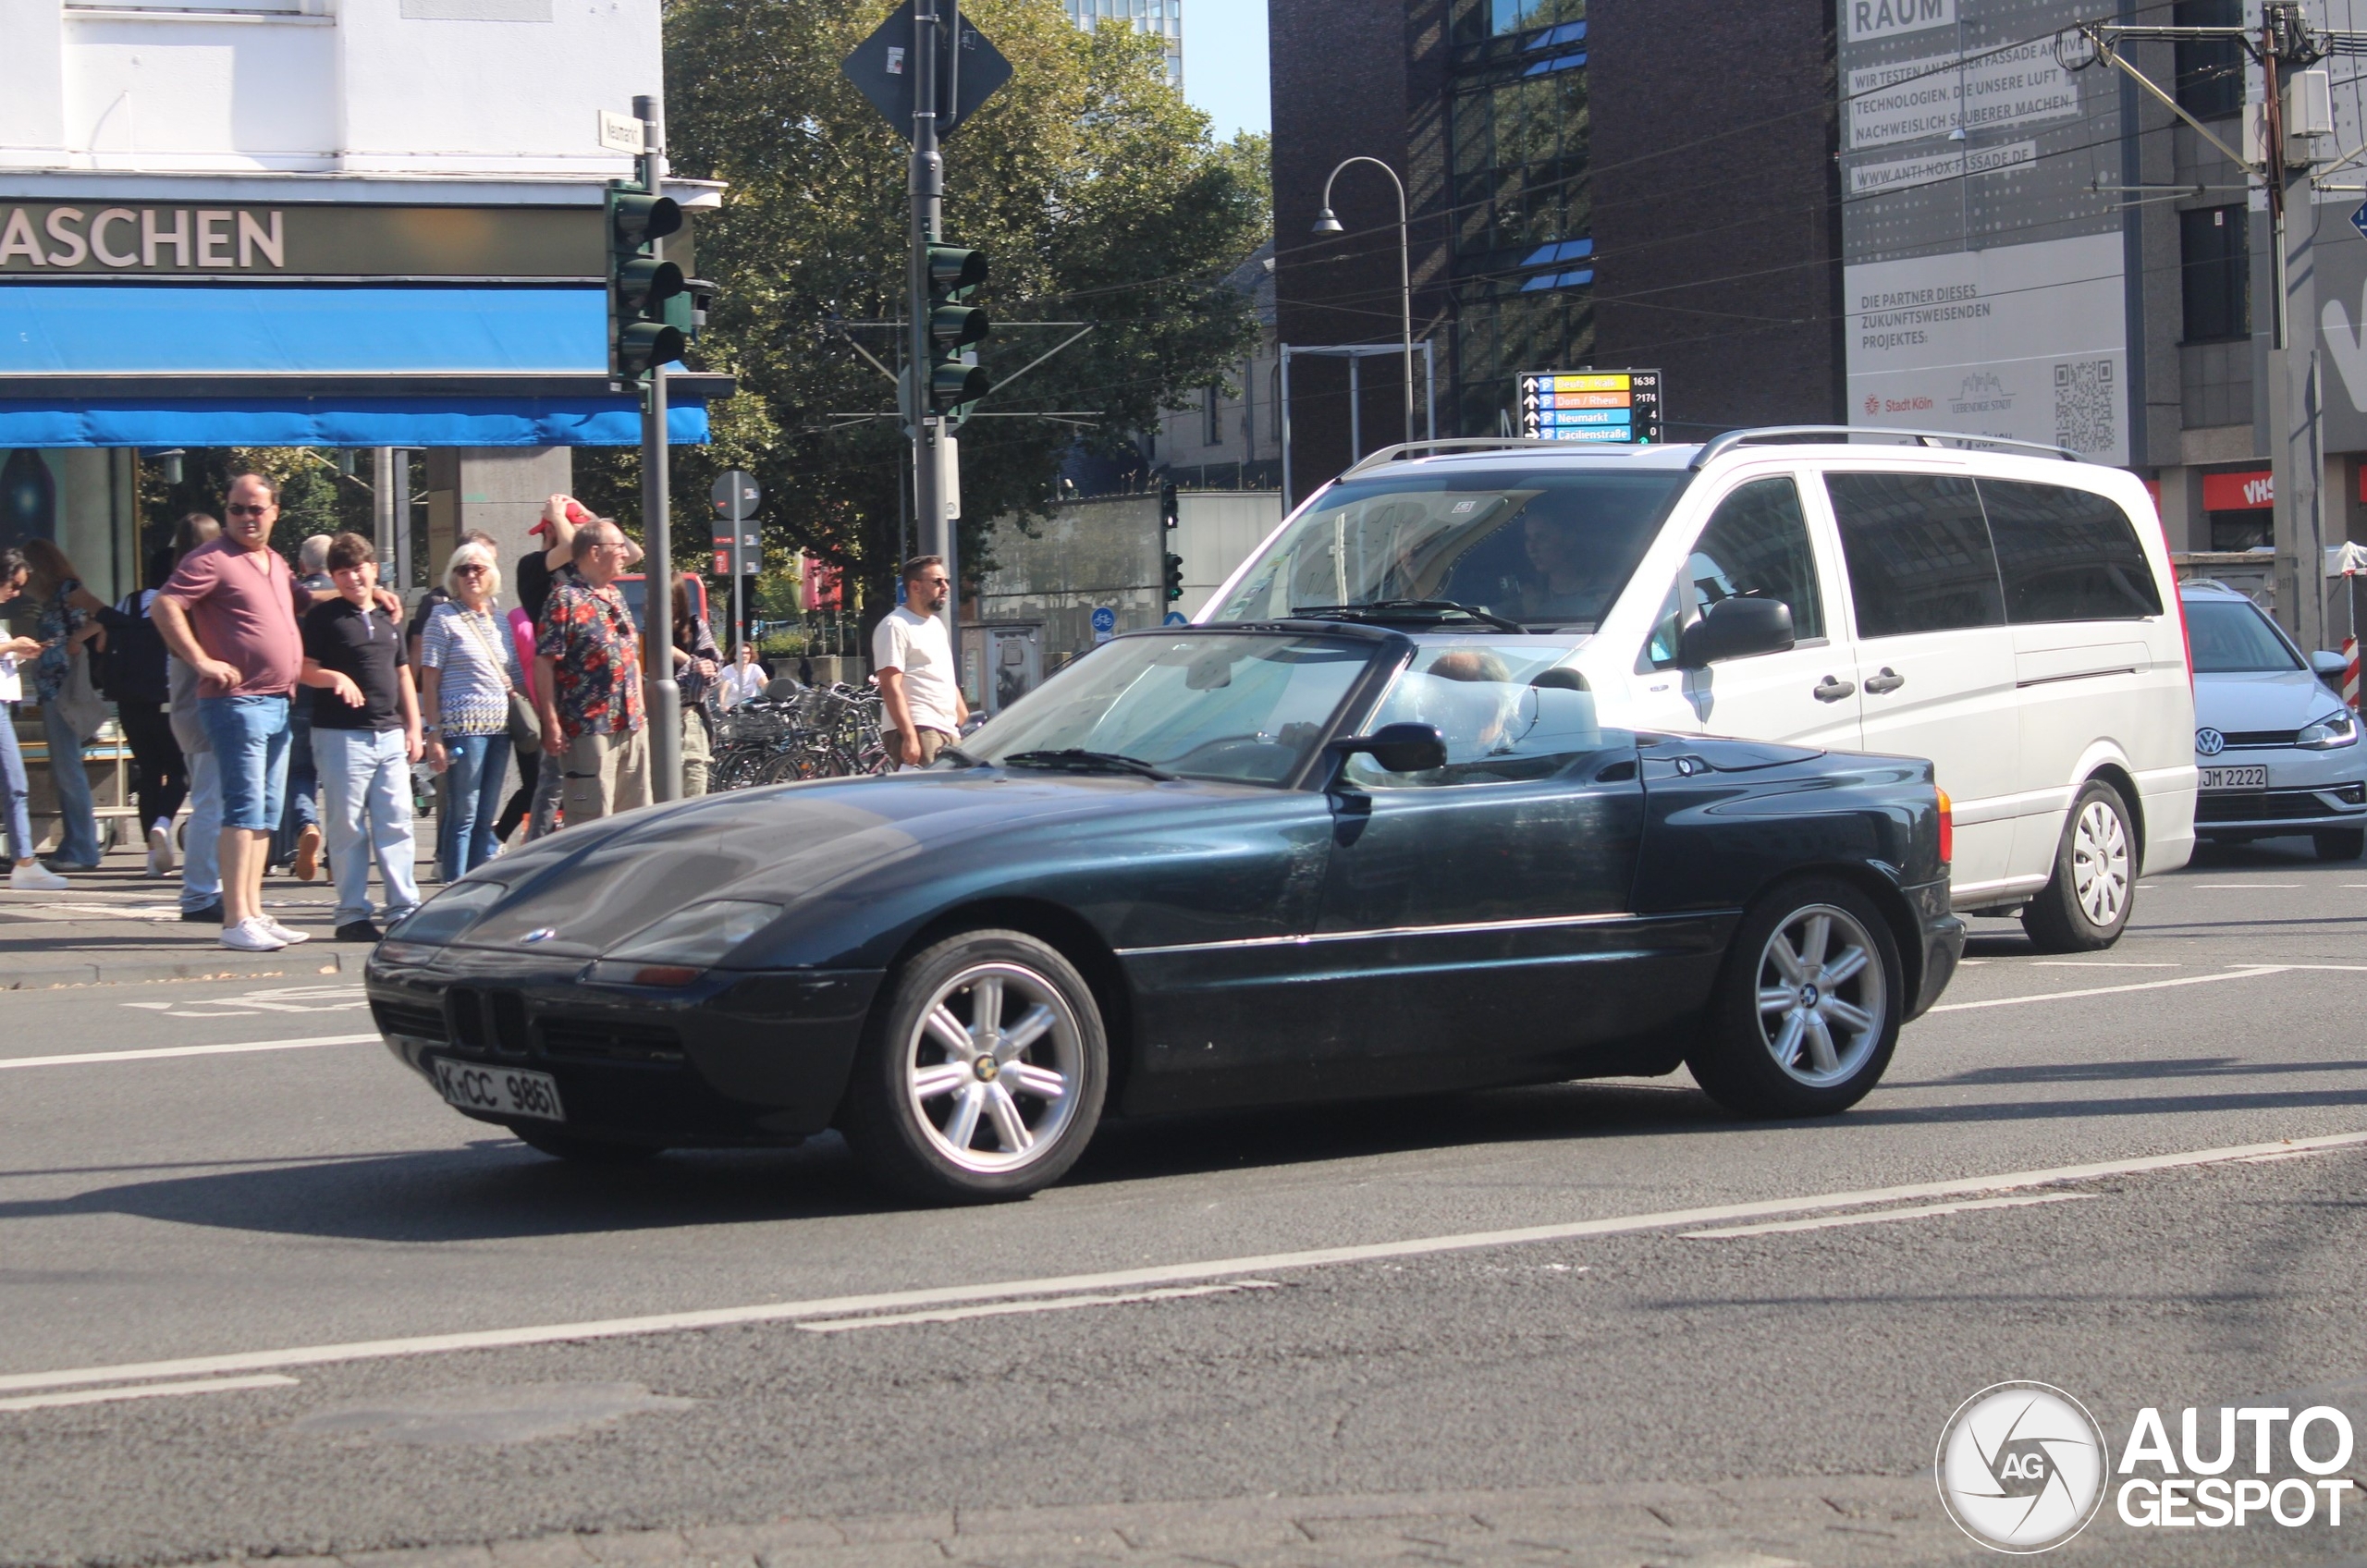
(1833, 691)
(1888, 681)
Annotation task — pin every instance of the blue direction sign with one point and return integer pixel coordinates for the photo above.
(1176, 618)
(2359, 218)
(1594, 405)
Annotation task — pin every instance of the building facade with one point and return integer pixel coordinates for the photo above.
(1232, 439)
(1162, 20)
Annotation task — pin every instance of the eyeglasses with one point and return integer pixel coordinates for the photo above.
(473, 569)
(250, 511)
(935, 581)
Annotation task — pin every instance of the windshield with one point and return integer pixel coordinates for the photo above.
(1546, 549)
(1246, 706)
(2230, 637)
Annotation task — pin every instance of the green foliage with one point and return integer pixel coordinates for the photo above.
(1096, 191)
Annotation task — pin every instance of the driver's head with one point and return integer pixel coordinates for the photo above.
(1470, 663)
(1550, 547)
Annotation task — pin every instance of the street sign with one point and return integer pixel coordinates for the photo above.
(1105, 621)
(621, 133)
(1621, 406)
(968, 76)
(734, 485)
(2359, 218)
(747, 541)
(1177, 617)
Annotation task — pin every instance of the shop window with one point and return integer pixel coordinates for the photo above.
(2249, 530)
(2214, 272)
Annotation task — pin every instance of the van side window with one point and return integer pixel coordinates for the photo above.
(1756, 541)
(1918, 552)
(2067, 554)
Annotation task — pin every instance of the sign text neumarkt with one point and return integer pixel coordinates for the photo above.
(75, 239)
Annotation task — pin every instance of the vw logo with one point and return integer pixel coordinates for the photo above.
(2209, 742)
(539, 933)
(2022, 1467)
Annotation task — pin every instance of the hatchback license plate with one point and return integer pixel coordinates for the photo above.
(2235, 778)
(499, 1090)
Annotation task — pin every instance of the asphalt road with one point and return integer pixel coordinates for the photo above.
(382, 1328)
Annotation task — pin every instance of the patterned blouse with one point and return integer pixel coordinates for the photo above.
(588, 634)
(479, 663)
(57, 618)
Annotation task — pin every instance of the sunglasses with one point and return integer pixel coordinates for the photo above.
(477, 571)
(249, 511)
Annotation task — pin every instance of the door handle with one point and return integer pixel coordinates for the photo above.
(1888, 681)
(1832, 691)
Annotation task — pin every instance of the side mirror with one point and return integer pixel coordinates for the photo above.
(2329, 665)
(1399, 748)
(1735, 629)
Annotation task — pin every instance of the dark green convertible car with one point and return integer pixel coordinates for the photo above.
(1200, 867)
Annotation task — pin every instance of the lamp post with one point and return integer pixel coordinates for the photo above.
(1325, 223)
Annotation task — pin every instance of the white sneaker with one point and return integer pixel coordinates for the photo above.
(289, 936)
(34, 878)
(250, 936)
(161, 860)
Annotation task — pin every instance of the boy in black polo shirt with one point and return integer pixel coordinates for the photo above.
(365, 735)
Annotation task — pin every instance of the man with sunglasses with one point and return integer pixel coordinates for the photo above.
(921, 705)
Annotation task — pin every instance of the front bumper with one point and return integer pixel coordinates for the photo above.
(742, 1058)
(2257, 814)
(1944, 934)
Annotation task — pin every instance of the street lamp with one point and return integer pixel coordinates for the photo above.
(1325, 223)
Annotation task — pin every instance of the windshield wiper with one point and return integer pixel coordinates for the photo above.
(1432, 610)
(1084, 762)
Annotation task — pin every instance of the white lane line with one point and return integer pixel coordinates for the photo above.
(1926, 1211)
(2095, 963)
(161, 1051)
(2242, 884)
(147, 1390)
(1137, 1278)
(1056, 1304)
(2251, 973)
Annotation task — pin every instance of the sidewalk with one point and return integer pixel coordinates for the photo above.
(118, 925)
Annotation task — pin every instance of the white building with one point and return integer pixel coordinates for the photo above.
(1161, 19)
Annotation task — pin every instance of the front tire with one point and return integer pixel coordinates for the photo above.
(2085, 905)
(982, 1077)
(2341, 843)
(1808, 1009)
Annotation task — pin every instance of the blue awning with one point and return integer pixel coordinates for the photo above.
(603, 421)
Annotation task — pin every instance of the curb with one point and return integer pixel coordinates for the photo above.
(114, 972)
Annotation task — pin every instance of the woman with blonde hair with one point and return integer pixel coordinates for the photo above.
(468, 667)
(66, 627)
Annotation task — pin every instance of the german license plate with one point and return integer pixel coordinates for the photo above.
(2235, 777)
(499, 1091)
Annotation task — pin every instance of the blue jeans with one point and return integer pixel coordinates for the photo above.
(249, 737)
(201, 839)
(473, 787)
(366, 812)
(77, 842)
(14, 789)
(302, 808)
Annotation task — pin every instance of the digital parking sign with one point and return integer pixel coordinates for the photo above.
(1621, 406)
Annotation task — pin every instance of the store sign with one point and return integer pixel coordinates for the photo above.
(99, 238)
(2249, 492)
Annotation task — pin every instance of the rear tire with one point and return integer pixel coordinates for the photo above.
(982, 1075)
(2085, 905)
(577, 1149)
(2341, 843)
(1807, 1008)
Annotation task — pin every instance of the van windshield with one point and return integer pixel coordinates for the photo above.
(1547, 549)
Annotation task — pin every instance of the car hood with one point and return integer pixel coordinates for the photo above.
(582, 891)
(2256, 700)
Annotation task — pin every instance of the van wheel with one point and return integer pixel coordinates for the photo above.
(983, 1073)
(2341, 843)
(2085, 905)
(1807, 1011)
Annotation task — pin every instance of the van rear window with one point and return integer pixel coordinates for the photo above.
(2067, 554)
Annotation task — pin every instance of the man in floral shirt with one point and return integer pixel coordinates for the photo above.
(588, 680)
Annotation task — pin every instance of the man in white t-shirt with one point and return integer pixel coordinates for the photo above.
(913, 659)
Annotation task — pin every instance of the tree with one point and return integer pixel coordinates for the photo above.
(1096, 191)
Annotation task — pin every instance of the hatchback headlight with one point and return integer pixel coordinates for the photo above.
(679, 948)
(2337, 728)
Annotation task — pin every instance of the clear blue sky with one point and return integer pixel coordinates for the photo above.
(1224, 63)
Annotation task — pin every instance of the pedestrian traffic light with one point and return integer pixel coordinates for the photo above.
(1175, 577)
(1168, 516)
(642, 330)
(955, 326)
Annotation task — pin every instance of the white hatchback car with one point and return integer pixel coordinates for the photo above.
(2278, 753)
(2014, 619)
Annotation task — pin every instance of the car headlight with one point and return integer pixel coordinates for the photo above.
(679, 948)
(2337, 728)
(449, 913)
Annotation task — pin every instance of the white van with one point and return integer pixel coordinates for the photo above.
(2012, 618)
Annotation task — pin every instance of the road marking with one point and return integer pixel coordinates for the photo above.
(2093, 964)
(1056, 1304)
(2251, 973)
(2242, 884)
(1926, 1211)
(160, 1052)
(1145, 1278)
(147, 1390)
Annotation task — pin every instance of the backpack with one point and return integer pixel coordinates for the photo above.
(132, 667)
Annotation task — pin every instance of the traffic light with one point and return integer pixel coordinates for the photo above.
(1169, 514)
(954, 326)
(1175, 577)
(643, 332)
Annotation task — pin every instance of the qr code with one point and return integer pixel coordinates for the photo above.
(2087, 408)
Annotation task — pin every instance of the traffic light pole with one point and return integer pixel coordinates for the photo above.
(665, 717)
(931, 448)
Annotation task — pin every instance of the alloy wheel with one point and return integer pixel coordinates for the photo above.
(2100, 863)
(992, 1067)
(1821, 1002)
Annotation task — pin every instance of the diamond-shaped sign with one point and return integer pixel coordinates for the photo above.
(966, 76)
(2359, 218)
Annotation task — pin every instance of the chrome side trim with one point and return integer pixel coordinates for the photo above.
(2075, 675)
(1309, 938)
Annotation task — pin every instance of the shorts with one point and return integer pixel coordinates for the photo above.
(250, 736)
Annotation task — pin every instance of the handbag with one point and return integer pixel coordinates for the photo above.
(525, 727)
(79, 702)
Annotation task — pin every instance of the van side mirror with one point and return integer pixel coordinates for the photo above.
(1735, 629)
(1399, 748)
(2329, 665)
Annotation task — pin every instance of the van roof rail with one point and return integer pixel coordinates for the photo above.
(1734, 438)
(1481, 444)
